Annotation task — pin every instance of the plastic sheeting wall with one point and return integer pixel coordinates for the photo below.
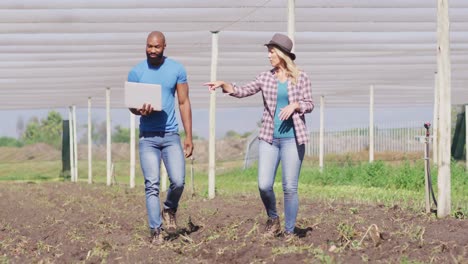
(59, 53)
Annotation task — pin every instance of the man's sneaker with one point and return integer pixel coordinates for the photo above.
(170, 222)
(156, 236)
(273, 227)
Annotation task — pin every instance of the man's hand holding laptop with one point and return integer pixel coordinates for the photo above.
(145, 110)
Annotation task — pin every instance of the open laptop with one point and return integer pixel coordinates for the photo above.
(137, 94)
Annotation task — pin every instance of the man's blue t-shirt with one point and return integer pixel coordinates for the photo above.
(168, 75)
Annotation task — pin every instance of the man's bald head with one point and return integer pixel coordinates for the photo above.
(155, 45)
(158, 35)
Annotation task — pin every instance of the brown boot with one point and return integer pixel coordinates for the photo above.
(156, 236)
(170, 221)
(272, 227)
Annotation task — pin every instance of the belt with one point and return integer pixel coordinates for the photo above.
(146, 134)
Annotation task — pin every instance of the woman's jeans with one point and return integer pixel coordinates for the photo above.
(291, 155)
(154, 146)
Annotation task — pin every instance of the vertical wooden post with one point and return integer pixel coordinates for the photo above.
(72, 153)
(132, 150)
(75, 143)
(212, 140)
(466, 136)
(444, 73)
(435, 121)
(108, 138)
(90, 145)
(322, 129)
(192, 184)
(371, 125)
(292, 22)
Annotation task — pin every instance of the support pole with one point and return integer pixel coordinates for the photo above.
(444, 73)
(72, 153)
(427, 170)
(132, 150)
(371, 125)
(292, 21)
(435, 121)
(108, 139)
(192, 184)
(90, 145)
(212, 140)
(322, 129)
(466, 136)
(75, 143)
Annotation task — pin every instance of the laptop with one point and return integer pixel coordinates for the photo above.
(137, 94)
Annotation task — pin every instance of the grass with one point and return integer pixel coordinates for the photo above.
(36, 171)
(30, 171)
(377, 182)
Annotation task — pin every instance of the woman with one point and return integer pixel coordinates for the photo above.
(287, 96)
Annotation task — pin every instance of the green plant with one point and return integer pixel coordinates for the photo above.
(47, 131)
(4, 260)
(417, 234)
(100, 250)
(322, 256)
(347, 232)
(373, 175)
(10, 142)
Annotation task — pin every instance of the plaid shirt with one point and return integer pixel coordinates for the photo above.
(268, 84)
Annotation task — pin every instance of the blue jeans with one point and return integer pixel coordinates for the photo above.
(152, 147)
(291, 155)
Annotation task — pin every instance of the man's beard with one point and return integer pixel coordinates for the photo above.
(155, 61)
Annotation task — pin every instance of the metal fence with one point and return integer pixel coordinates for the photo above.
(403, 137)
(394, 137)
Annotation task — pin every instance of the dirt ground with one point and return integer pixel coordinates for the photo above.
(80, 223)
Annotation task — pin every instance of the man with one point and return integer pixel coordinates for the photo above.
(159, 138)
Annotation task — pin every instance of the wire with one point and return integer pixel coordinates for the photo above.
(248, 14)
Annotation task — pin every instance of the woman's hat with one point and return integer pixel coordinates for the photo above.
(284, 43)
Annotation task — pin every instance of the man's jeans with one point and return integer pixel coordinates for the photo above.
(153, 147)
(291, 155)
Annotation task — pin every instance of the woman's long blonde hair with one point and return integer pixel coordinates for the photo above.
(292, 70)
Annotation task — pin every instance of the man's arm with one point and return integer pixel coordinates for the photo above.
(186, 116)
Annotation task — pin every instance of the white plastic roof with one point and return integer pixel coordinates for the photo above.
(56, 53)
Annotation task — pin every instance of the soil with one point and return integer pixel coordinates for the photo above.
(68, 223)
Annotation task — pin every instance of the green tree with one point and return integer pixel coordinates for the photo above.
(10, 142)
(246, 134)
(182, 135)
(47, 131)
(232, 134)
(121, 135)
